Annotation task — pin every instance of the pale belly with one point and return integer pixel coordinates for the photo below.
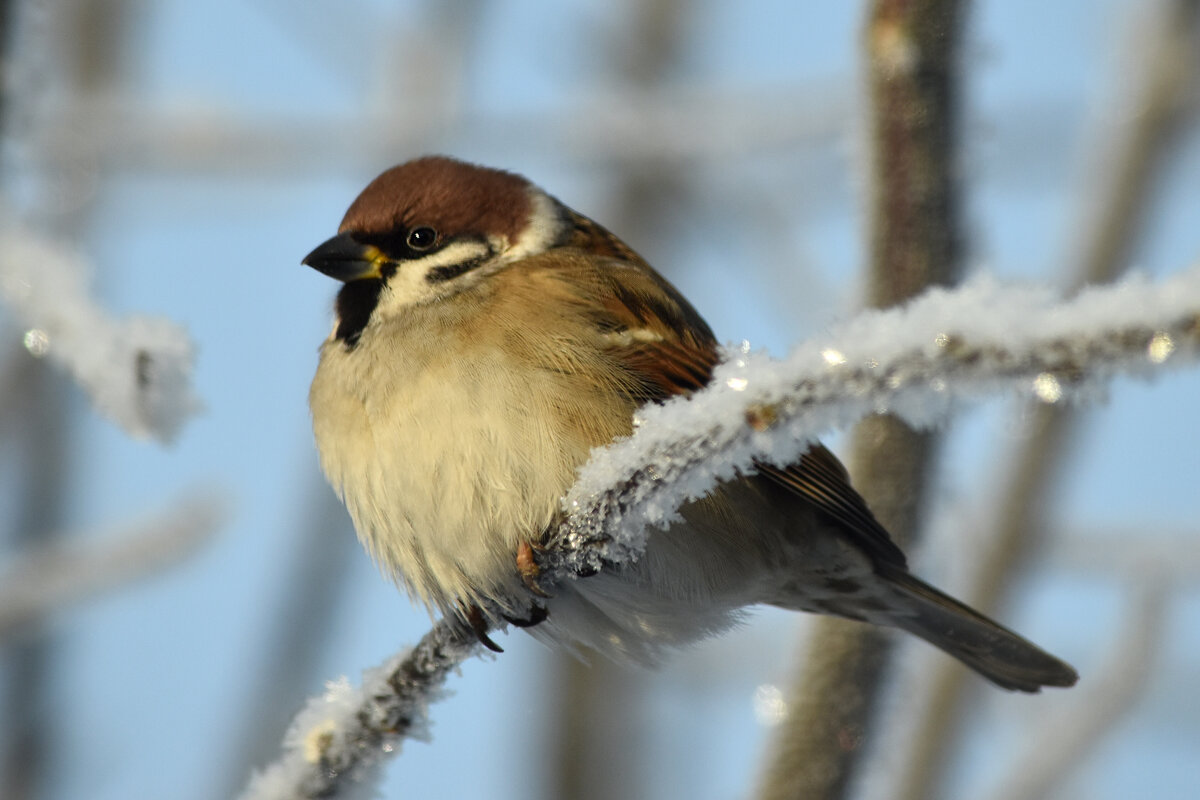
(445, 466)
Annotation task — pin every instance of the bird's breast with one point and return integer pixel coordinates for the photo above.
(448, 452)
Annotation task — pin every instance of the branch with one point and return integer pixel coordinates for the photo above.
(1172, 556)
(42, 582)
(596, 706)
(919, 362)
(1126, 171)
(341, 738)
(136, 370)
(915, 235)
(306, 620)
(1141, 134)
(621, 127)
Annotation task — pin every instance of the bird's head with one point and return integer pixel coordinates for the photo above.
(429, 228)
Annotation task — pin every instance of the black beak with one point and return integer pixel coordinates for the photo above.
(345, 259)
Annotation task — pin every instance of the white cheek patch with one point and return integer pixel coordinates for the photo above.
(543, 231)
(411, 282)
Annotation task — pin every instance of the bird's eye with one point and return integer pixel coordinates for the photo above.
(421, 238)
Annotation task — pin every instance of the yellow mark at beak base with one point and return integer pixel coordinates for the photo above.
(346, 259)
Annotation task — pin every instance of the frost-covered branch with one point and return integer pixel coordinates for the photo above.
(136, 370)
(1153, 102)
(341, 738)
(41, 582)
(915, 236)
(920, 362)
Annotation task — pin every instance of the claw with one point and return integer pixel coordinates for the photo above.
(529, 569)
(475, 618)
(537, 615)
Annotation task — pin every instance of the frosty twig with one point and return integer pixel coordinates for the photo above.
(917, 362)
(136, 370)
(340, 738)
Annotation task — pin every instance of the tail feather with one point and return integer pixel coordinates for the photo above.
(995, 652)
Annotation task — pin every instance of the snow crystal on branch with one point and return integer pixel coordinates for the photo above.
(136, 370)
(919, 361)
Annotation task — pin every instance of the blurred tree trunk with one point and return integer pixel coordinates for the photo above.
(89, 40)
(598, 731)
(42, 447)
(915, 242)
(1131, 164)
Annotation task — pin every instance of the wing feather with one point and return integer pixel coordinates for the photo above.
(669, 350)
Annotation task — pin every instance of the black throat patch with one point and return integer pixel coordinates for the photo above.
(355, 303)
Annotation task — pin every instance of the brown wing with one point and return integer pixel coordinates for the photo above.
(655, 333)
(821, 479)
(671, 351)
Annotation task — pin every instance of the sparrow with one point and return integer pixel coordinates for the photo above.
(487, 338)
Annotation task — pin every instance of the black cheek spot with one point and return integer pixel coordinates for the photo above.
(452, 271)
(355, 304)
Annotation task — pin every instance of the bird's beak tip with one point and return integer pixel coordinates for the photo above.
(345, 259)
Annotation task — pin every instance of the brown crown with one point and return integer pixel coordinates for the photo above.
(451, 196)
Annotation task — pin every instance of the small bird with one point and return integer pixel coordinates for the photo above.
(486, 339)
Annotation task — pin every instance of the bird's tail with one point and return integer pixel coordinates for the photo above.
(995, 652)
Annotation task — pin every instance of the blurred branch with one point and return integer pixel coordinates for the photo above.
(623, 127)
(688, 126)
(136, 370)
(84, 37)
(1173, 557)
(1052, 752)
(45, 580)
(915, 242)
(39, 444)
(1129, 165)
(915, 229)
(594, 722)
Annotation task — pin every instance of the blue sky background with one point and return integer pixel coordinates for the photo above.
(156, 682)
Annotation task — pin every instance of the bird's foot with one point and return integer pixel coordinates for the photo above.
(537, 615)
(475, 618)
(528, 567)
